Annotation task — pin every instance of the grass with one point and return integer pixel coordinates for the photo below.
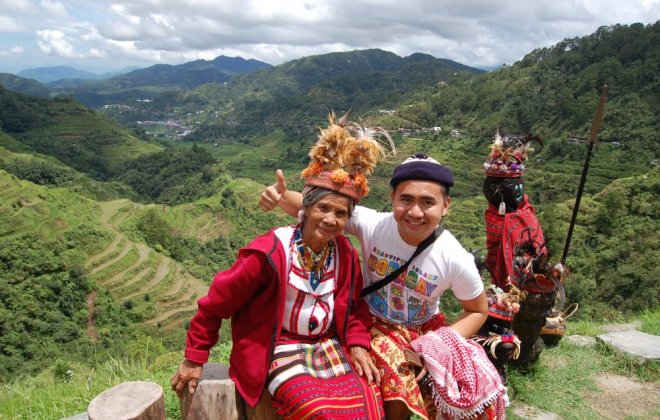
(66, 388)
(562, 382)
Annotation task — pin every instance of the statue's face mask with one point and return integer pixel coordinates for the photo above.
(506, 193)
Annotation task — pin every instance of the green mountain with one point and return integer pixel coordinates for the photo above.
(149, 82)
(75, 135)
(24, 86)
(51, 74)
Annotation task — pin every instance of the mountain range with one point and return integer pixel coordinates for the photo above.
(112, 220)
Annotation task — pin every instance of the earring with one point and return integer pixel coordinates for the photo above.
(301, 216)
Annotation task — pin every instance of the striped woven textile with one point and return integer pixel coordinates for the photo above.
(316, 381)
(397, 383)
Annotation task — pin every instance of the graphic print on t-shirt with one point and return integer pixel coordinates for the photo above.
(406, 298)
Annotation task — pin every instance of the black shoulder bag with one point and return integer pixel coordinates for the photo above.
(420, 248)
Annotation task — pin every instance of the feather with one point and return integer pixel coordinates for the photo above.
(348, 150)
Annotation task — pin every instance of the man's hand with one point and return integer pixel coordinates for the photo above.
(413, 360)
(363, 365)
(188, 374)
(273, 194)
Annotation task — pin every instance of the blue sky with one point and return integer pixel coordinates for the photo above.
(103, 36)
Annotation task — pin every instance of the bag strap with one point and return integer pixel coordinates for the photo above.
(420, 248)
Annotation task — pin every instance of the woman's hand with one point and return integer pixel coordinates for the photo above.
(363, 364)
(188, 374)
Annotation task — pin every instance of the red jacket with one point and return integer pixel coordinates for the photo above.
(252, 293)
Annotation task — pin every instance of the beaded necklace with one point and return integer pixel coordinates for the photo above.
(314, 263)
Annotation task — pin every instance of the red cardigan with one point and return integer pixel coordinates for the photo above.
(252, 293)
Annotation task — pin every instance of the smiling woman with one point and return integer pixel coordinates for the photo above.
(299, 328)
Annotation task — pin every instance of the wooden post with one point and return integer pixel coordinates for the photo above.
(129, 401)
(216, 398)
(263, 411)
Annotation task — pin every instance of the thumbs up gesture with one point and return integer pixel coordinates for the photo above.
(273, 193)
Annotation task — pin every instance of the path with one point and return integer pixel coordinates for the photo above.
(623, 398)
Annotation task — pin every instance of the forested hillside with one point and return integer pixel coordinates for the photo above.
(72, 133)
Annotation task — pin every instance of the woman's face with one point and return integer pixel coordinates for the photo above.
(325, 220)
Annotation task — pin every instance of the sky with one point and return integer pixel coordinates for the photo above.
(104, 36)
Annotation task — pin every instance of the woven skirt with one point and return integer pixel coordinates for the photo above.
(317, 381)
(388, 342)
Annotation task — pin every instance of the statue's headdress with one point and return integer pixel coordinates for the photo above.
(508, 155)
(344, 155)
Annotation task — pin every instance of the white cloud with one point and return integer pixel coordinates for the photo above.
(54, 9)
(8, 24)
(53, 42)
(13, 51)
(143, 32)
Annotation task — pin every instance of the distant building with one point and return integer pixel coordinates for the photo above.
(455, 134)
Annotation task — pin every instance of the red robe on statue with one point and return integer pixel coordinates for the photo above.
(505, 236)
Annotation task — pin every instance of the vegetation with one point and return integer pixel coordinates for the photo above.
(75, 135)
(107, 237)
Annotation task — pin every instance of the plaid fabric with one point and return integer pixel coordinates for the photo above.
(388, 342)
(465, 383)
(316, 381)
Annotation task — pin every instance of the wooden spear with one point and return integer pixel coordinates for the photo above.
(593, 139)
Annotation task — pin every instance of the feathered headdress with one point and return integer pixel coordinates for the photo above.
(508, 155)
(344, 155)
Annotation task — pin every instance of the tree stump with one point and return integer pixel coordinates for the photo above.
(263, 411)
(129, 401)
(216, 398)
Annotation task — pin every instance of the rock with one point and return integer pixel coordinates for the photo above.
(581, 340)
(526, 412)
(638, 345)
(622, 327)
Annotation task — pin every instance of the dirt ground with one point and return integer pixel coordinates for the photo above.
(623, 398)
(620, 398)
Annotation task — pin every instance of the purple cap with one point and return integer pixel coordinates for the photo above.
(420, 167)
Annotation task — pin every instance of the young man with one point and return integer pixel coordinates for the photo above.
(408, 306)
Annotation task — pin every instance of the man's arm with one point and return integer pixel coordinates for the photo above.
(475, 312)
(278, 195)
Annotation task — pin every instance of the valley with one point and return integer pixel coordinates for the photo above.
(121, 198)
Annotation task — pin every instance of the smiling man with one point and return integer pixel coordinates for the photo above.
(408, 306)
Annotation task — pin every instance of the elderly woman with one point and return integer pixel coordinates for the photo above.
(299, 327)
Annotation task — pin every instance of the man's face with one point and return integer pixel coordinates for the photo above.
(418, 207)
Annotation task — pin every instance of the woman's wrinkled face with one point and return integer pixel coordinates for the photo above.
(325, 220)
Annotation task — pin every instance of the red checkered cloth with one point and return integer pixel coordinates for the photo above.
(466, 382)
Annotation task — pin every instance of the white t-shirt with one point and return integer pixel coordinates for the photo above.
(414, 296)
